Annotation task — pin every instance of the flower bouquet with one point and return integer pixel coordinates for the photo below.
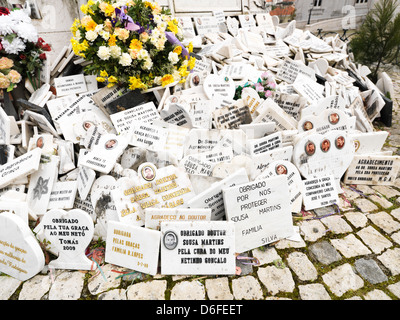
(131, 43)
(265, 86)
(19, 42)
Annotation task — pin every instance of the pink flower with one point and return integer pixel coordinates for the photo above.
(268, 93)
(265, 75)
(259, 87)
(272, 85)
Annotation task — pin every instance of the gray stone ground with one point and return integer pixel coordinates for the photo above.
(350, 255)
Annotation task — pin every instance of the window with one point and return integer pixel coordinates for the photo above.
(361, 1)
(318, 3)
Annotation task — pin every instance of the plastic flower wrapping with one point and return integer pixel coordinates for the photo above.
(20, 44)
(130, 43)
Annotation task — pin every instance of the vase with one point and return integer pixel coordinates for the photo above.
(17, 93)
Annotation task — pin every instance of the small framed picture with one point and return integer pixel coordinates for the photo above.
(308, 125)
(111, 144)
(170, 240)
(325, 145)
(310, 148)
(280, 169)
(334, 118)
(340, 142)
(148, 173)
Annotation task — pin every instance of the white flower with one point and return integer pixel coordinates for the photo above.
(143, 54)
(148, 64)
(173, 57)
(26, 31)
(176, 75)
(115, 52)
(78, 36)
(99, 28)
(157, 19)
(19, 15)
(91, 35)
(105, 35)
(125, 60)
(104, 53)
(157, 81)
(6, 25)
(15, 47)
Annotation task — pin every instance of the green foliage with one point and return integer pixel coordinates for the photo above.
(378, 39)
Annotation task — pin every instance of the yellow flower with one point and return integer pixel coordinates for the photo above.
(112, 79)
(109, 10)
(91, 25)
(100, 79)
(84, 8)
(103, 73)
(75, 26)
(183, 72)
(192, 63)
(173, 27)
(190, 47)
(112, 41)
(136, 83)
(178, 50)
(79, 48)
(167, 79)
(110, 85)
(136, 45)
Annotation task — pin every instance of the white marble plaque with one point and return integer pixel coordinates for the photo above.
(206, 24)
(70, 85)
(133, 247)
(4, 127)
(146, 113)
(231, 117)
(103, 204)
(19, 167)
(147, 136)
(154, 216)
(195, 166)
(327, 120)
(187, 25)
(318, 155)
(289, 170)
(261, 212)
(290, 69)
(271, 112)
(308, 88)
(103, 156)
(70, 232)
(40, 186)
(265, 144)
(369, 142)
(177, 114)
(258, 130)
(216, 86)
(86, 178)
(247, 21)
(320, 192)
(21, 256)
(212, 197)
(372, 170)
(198, 248)
(63, 195)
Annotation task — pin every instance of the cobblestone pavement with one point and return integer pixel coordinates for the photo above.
(351, 253)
